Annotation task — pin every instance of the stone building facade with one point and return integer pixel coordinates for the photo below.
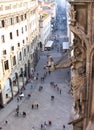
(44, 28)
(82, 82)
(19, 32)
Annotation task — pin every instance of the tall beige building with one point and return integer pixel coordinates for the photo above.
(19, 32)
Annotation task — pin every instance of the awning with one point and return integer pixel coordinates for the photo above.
(49, 44)
(65, 45)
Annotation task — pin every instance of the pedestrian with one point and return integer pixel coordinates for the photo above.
(49, 72)
(63, 127)
(32, 106)
(17, 110)
(37, 106)
(57, 88)
(45, 124)
(60, 91)
(41, 126)
(52, 98)
(37, 74)
(36, 77)
(6, 122)
(28, 96)
(18, 99)
(45, 127)
(31, 86)
(49, 122)
(24, 114)
(21, 95)
(33, 128)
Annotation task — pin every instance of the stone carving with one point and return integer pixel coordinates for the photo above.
(72, 14)
(90, 125)
(78, 74)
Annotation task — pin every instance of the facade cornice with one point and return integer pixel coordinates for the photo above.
(17, 13)
(13, 7)
(81, 2)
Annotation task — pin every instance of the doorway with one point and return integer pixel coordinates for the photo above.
(1, 101)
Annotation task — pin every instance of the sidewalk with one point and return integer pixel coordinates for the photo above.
(58, 111)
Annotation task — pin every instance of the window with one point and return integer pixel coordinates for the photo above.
(26, 38)
(25, 28)
(25, 16)
(17, 32)
(22, 29)
(18, 44)
(20, 56)
(23, 41)
(4, 52)
(21, 17)
(14, 60)
(11, 21)
(11, 37)
(2, 23)
(2, 38)
(6, 65)
(17, 19)
(12, 48)
(24, 52)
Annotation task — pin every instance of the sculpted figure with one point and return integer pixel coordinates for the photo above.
(78, 66)
(76, 62)
(72, 15)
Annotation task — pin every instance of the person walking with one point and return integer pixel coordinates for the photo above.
(60, 91)
(31, 86)
(49, 72)
(63, 127)
(37, 74)
(41, 126)
(17, 110)
(32, 106)
(37, 106)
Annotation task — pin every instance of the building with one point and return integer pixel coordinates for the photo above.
(50, 7)
(45, 28)
(19, 32)
(81, 62)
(82, 38)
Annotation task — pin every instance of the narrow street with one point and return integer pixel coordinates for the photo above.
(58, 111)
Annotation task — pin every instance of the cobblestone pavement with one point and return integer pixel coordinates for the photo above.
(58, 111)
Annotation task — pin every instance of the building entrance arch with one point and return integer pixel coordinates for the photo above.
(8, 90)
